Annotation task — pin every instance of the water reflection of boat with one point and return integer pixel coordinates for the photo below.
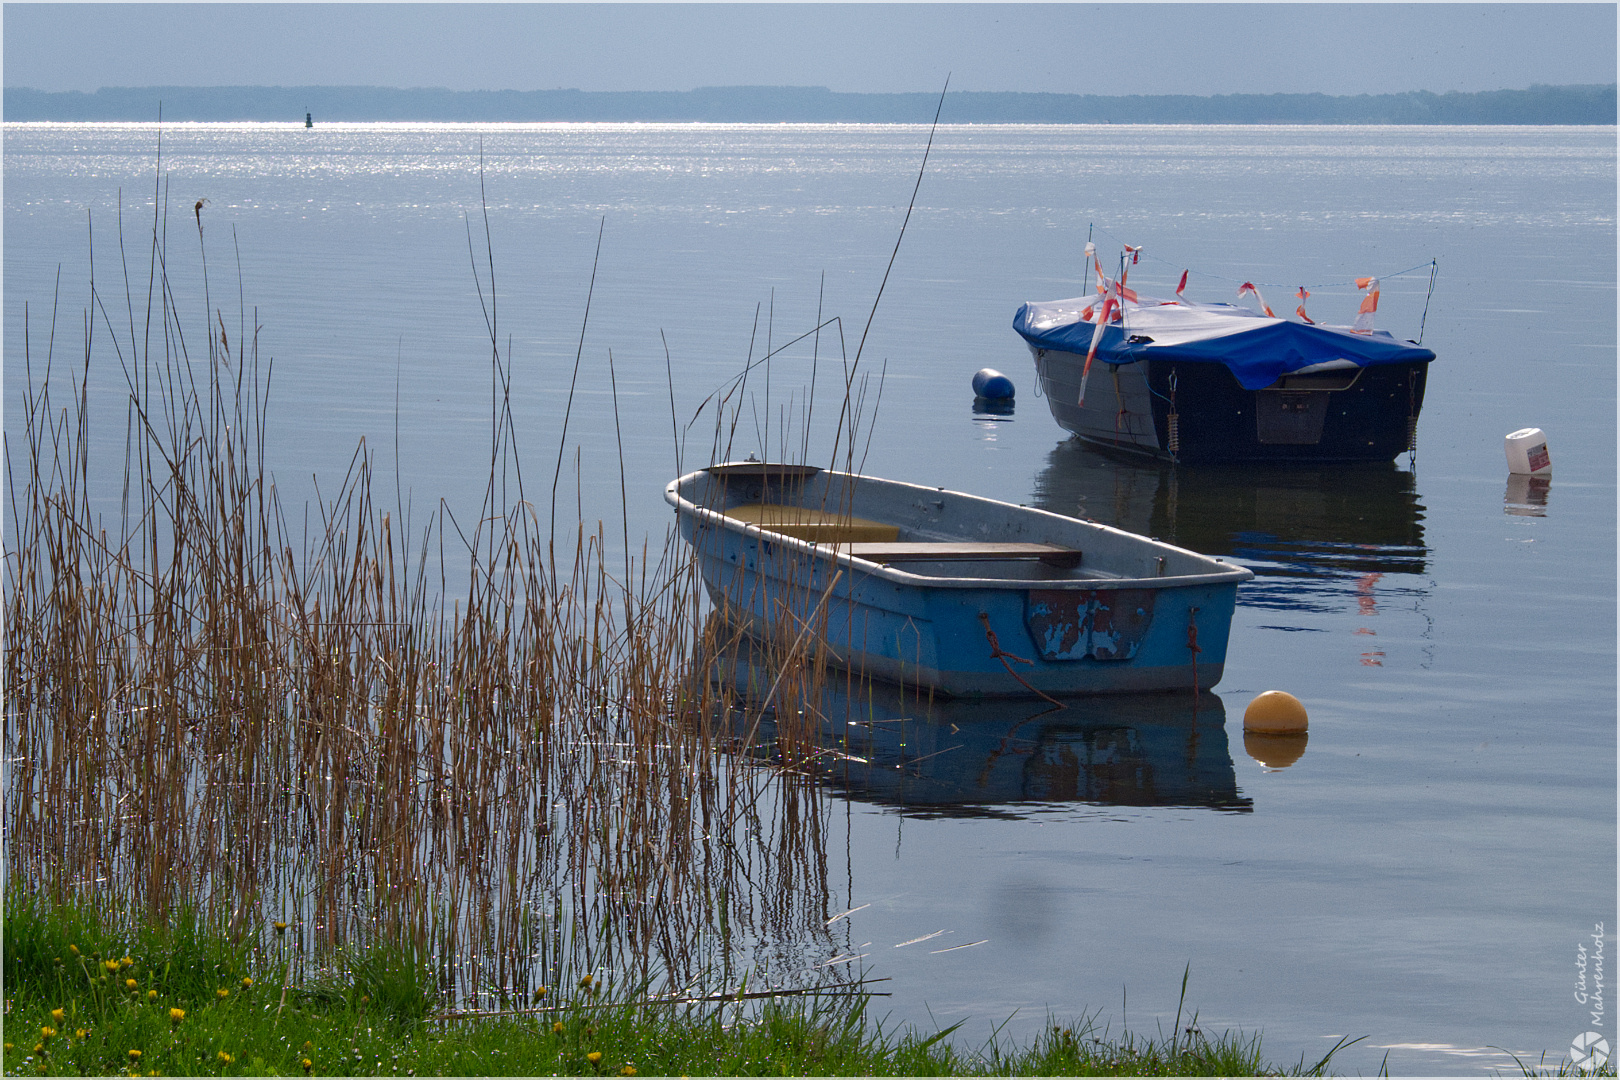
(1285, 523)
(881, 744)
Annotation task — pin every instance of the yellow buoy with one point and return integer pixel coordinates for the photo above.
(1275, 751)
(1275, 713)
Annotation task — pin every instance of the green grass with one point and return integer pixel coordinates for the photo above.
(192, 1002)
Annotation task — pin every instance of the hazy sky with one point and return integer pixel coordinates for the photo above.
(1066, 48)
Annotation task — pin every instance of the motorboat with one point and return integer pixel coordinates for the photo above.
(1214, 382)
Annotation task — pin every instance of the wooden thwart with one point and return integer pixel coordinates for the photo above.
(962, 551)
(881, 543)
(816, 526)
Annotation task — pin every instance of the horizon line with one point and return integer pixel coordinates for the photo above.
(800, 87)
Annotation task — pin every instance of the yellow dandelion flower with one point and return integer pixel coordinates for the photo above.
(112, 965)
(539, 992)
(134, 1055)
(57, 1015)
(557, 1028)
(47, 1032)
(307, 1064)
(594, 1057)
(127, 962)
(628, 1070)
(222, 993)
(151, 995)
(586, 982)
(39, 1048)
(281, 928)
(246, 983)
(78, 1034)
(73, 949)
(225, 1059)
(129, 984)
(176, 1015)
(9, 1046)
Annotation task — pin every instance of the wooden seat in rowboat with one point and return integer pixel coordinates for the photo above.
(814, 526)
(881, 543)
(963, 551)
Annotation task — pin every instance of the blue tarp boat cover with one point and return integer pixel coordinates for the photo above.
(1256, 348)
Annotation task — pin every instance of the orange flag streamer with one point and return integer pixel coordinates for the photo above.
(1248, 287)
(1109, 308)
(1303, 295)
(1369, 305)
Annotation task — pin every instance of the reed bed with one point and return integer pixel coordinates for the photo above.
(316, 733)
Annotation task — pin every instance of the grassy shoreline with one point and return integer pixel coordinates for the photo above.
(85, 995)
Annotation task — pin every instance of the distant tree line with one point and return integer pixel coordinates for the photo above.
(1586, 104)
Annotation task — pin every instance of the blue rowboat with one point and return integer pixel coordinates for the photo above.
(961, 595)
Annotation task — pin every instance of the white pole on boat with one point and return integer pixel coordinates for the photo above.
(1104, 313)
(1115, 295)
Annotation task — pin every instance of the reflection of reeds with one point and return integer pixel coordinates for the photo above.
(209, 707)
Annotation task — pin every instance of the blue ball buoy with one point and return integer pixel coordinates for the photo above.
(992, 385)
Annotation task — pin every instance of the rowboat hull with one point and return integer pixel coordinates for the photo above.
(1134, 615)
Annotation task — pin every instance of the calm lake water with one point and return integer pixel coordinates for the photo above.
(1422, 876)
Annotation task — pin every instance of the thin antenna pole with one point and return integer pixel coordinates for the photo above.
(1434, 271)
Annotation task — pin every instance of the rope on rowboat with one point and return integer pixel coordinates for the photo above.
(1192, 647)
(998, 653)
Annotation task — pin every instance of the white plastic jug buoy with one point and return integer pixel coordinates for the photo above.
(1527, 452)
